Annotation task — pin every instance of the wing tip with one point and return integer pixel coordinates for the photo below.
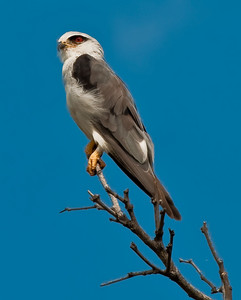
(176, 215)
(170, 209)
(167, 203)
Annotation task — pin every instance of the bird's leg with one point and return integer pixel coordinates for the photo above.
(94, 154)
(90, 148)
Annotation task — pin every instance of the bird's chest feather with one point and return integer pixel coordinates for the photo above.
(85, 107)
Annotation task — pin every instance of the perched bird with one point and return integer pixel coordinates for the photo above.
(104, 110)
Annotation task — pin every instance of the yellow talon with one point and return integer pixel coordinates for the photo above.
(90, 148)
(94, 158)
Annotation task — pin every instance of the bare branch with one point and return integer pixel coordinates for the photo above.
(169, 251)
(129, 207)
(156, 213)
(90, 193)
(204, 230)
(156, 245)
(79, 208)
(130, 275)
(226, 288)
(96, 199)
(157, 248)
(116, 206)
(125, 201)
(136, 250)
(159, 232)
(117, 196)
(213, 287)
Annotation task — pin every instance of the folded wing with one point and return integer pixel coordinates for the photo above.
(128, 143)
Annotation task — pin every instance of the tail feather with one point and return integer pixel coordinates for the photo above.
(166, 201)
(144, 177)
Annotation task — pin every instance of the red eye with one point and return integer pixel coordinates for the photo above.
(78, 39)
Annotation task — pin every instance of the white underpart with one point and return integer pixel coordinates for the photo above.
(83, 106)
(143, 149)
(99, 140)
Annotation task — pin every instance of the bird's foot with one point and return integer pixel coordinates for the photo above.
(90, 148)
(95, 158)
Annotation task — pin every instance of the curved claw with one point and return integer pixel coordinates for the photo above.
(95, 158)
(90, 148)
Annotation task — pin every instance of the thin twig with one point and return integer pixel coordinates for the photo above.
(159, 232)
(79, 208)
(169, 251)
(131, 275)
(116, 206)
(136, 250)
(118, 219)
(156, 213)
(129, 207)
(96, 199)
(227, 289)
(117, 196)
(190, 261)
(114, 220)
(204, 230)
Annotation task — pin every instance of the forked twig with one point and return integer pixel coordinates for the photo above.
(190, 261)
(96, 199)
(137, 251)
(154, 269)
(116, 206)
(226, 287)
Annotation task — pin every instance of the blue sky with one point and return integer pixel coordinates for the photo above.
(181, 61)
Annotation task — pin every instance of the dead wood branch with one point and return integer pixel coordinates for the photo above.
(129, 220)
(79, 208)
(226, 287)
(169, 251)
(190, 261)
(116, 206)
(137, 251)
(130, 275)
(159, 232)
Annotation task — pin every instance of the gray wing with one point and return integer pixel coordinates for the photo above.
(119, 116)
(121, 127)
(128, 143)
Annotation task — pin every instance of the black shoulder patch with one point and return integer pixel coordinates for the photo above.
(82, 71)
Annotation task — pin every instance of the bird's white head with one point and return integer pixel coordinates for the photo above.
(74, 44)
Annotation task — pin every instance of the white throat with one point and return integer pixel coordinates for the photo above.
(89, 47)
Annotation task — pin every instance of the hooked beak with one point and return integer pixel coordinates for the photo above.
(61, 46)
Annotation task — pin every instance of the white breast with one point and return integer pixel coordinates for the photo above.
(84, 107)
